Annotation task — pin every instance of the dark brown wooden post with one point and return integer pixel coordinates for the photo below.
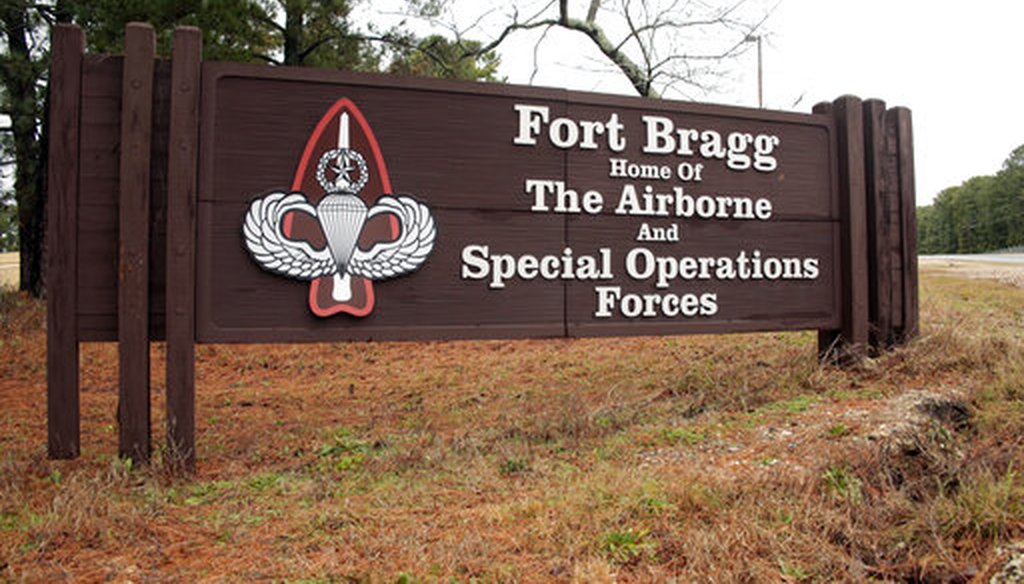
(828, 339)
(133, 267)
(880, 238)
(900, 117)
(847, 344)
(67, 46)
(181, 225)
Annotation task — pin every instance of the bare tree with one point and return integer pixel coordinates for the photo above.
(658, 45)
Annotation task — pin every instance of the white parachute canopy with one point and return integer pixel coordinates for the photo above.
(341, 217)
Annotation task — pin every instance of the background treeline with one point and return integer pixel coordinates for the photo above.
(985, 213)
(316, 33)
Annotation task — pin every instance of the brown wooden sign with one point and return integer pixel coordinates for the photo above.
(556, 213)
(292, 204)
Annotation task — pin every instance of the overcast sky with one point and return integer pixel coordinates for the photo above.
(956, 65)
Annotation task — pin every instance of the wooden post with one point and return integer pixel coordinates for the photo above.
(828, 339)
(908, 287)
(133, 257)
(879, 240)
(181, 225)
(846, 345)
(62, 408)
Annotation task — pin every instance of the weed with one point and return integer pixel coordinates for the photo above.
(794, 405)
(9, 521)
(783, 518)
(206, 493)
(839, 430)
(262, 483)
(793, 571)
(627, 547)
(987, 507)
(842, 483)
(513, 466)
(649, 506)
(120, 468)
(344, 452)
(683, 435)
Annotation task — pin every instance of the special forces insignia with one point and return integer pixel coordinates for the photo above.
(336, 240)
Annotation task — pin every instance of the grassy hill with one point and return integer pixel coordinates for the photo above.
(726, 457)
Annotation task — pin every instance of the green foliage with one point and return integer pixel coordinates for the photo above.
(343, 452)
(793, 571)
(514, 466)
(206, 493)
(436, 56)
(984, 213)
(8, 222)
(988, 507)
(683, 435)
(628, 546)
(316, 33)
(233, 30)
(23, 63)
(843, 484)
(795, 405)
(838, 431)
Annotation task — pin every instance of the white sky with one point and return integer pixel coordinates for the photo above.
(954, 64)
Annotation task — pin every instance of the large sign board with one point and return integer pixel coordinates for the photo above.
(210, 202)
(542, 212)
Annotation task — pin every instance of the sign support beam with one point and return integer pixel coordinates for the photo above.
(133, 257)
(181, 227)
(62, 408)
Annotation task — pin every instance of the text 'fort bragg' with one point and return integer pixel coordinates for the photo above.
(653, 199)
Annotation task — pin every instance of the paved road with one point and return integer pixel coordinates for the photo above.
(990, 258)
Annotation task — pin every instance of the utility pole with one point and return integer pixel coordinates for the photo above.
(760, 72)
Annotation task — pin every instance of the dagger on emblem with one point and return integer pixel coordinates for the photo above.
(342, 212)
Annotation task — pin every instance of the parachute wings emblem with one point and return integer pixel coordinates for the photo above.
(275, 252)
(272, 250)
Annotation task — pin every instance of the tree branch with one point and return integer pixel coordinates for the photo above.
(316, 45)
(267, 58)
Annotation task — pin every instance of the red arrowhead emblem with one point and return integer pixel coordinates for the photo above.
(301, 226)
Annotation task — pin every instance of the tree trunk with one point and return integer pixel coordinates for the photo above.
(294, 14)
(19, 77)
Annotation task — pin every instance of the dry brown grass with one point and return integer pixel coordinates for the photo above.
(700, 458)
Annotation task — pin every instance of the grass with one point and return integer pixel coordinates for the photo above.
(628, 547)
(733, 458)
(841, 482)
